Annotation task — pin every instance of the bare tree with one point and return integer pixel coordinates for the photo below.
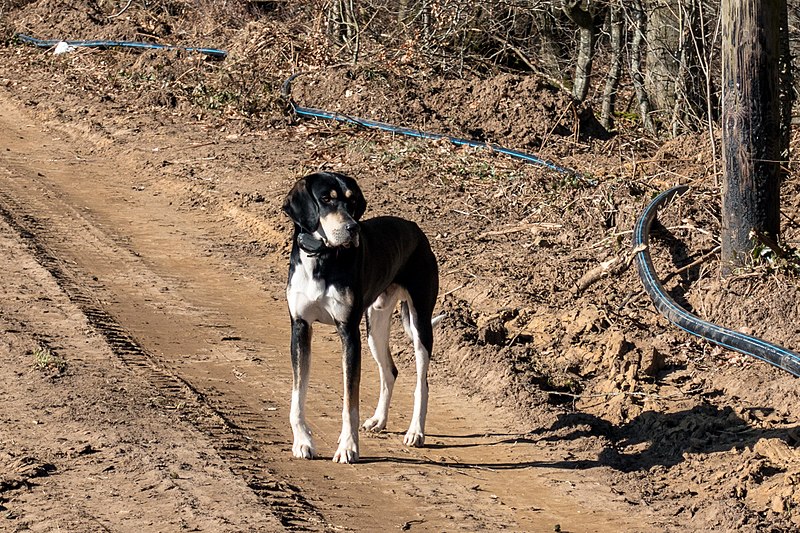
(662, 51)
(638, 27)
(616, 25)
(343, 26)
(582, 17)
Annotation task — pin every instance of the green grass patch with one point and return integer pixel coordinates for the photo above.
(47, 360)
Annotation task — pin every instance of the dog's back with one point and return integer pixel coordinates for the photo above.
(396, 250)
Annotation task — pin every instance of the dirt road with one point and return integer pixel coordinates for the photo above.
(172, 410)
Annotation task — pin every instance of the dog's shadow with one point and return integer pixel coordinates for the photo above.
(651, 439)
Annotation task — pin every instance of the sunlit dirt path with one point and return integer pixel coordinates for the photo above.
(211, 334)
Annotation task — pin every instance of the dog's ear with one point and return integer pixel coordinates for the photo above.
(301, 207)
(351, 186)
(361, 203)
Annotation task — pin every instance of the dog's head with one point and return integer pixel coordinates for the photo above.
(327, 205)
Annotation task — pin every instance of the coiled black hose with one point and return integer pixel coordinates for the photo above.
(760, 349)
(330, 115)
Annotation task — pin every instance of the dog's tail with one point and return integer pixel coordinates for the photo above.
(406, 316)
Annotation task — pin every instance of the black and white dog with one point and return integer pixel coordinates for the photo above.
(339, 270)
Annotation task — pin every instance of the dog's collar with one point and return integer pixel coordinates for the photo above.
(311, 245)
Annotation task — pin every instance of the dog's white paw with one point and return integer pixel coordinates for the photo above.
(374, 424)
(303, 447)
(303, 451)
(348, 448)
(414, 439)
(345, 456)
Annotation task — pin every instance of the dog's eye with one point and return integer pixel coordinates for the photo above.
(325, 200)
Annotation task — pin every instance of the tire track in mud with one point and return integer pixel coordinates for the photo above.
(227, 429)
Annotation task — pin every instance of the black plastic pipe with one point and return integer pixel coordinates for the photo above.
(48, 43)
(330, 115)
(760, 349)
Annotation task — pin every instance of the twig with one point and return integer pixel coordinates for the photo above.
(689, 227)
(518, 228)
(124, 9)
(468, 214)
(740, 277)
(524, 58)
(176, 80)
(615, 234)
(555, 125)
(594, 275)
(187, 161)
(695, 262)
(790, 219)
(451, 291)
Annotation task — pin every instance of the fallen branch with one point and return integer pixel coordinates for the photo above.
(606, 268)
(518, 229)
(594, 275)
(693, 263)
(451, 291)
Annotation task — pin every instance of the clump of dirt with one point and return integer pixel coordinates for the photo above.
(20, 471)
(175, 22)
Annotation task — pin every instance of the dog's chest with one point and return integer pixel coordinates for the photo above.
(313, 300)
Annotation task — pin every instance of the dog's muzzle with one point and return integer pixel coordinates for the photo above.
(354, 235)
(339, 229)
(347, 237)
(341, 235)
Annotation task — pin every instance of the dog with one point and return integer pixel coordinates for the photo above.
(342, 268)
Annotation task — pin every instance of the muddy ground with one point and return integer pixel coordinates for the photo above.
(146, 376)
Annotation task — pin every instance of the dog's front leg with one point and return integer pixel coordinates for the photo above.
(351, 366)
(303, 446)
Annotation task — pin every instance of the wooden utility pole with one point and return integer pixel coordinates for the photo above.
(755, 138)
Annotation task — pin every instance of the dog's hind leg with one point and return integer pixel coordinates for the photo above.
(422, 336)
(303, 446)
(379, 316)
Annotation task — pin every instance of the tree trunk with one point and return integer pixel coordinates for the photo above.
(755, 139)
(343, 27)
(614, 67)
(639, 25)
(785, 70)
(662, 40)
(679, 97)
(583, 64)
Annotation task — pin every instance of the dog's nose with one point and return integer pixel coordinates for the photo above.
(352, 228)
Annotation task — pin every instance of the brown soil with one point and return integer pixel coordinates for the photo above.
(145, 255)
